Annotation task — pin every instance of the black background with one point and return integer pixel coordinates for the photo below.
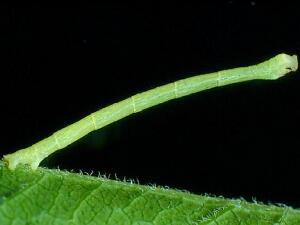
(59, 64)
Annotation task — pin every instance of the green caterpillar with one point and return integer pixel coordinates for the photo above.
(271, 69)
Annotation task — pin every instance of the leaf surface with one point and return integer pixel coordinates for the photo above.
(47, 196)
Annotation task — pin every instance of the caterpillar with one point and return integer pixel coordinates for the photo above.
(271, 69)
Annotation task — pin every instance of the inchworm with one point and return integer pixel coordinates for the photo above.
(271, 69)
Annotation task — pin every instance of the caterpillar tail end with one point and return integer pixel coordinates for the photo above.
(21, 157)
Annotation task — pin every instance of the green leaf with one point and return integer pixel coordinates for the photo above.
(46, 196)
